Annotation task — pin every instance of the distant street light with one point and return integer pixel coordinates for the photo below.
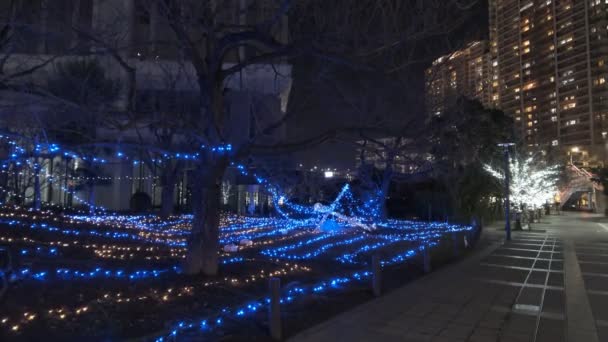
(505, 147)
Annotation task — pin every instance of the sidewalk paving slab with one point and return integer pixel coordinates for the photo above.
(538, 288)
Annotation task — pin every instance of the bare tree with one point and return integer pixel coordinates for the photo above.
(218, 42)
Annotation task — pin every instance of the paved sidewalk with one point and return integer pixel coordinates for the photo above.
(550, 284)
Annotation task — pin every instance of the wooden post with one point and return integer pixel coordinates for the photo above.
(456, 244)
(376, 276)
(6, 266)
(274, 310)
(427, 259)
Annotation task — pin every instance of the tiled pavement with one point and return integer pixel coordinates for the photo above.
(547, 285)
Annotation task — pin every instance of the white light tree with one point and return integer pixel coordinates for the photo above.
(532, 183)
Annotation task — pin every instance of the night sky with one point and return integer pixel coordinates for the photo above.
(310, 98)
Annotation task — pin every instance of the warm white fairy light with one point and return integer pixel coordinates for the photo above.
(147, 236)
(531, 184)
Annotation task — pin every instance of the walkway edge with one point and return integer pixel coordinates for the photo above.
(471, 260)
(581, 324)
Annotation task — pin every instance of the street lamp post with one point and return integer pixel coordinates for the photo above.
(505, 147)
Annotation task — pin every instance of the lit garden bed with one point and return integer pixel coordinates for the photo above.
(115, 277)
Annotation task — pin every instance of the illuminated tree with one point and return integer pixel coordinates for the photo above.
(462, 139)
(219, 41)
(532, 182)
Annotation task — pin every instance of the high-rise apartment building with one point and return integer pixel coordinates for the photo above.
(551, 71)
(466, 72)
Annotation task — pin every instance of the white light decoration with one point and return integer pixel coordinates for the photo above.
(532, 184)
(327, 211)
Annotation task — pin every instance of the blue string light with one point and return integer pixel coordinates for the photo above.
(98, 272)
(296, 221)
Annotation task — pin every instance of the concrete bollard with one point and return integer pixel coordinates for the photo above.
(274, 309)
(376, 276)
(427, 259)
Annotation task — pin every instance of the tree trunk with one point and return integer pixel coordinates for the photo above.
(168, 180)
(167, 194)
(203, 245)
(49, 182)
(91, 199)
(65, 183)
(166, 199)
(37, 191)
(382, 212)
(384, 190)
(17, 186)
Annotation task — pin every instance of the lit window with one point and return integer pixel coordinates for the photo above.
(453, 80)
(568, 81)
(604, 135)
(554, 118)
(565, 40)
(554, 143)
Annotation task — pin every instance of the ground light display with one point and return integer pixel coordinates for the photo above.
(91, 268)
(87, 265)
